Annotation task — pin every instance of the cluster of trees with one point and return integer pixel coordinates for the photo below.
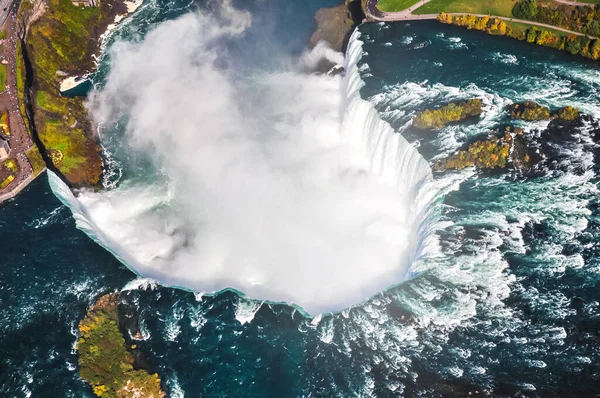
(490, 25)
(104, 362)
(584, 19)
(488, 154)
(496, 152)
(532, 111)
(452, 112)
(581, 45)
(528, 110)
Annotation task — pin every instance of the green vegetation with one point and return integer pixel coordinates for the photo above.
(9, 169)
(529, 111)
(7, 181)
(61, 42)
(502, 8)
(35, 160)
(11, 164)
(20, 69)
(568, 113)
(395, 5)
(104, 361)
(532, 111)
(2, 77)
(491, 153)
(4, 126)
(580, 45)
(452, 112)
(576, 18)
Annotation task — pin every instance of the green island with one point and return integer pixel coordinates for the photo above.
(104, 361)
(531, 111)
(452, 112)
(495, 152)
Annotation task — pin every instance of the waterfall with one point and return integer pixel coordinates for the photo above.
(141, 227)
(393, 159)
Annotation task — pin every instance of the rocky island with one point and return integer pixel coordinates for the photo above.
(449, 113)
(104, 360)
(532, 111)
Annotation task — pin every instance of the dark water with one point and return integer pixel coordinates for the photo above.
(508, 305)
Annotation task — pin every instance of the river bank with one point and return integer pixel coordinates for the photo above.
(58, 41)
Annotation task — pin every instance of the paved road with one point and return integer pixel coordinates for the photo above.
(19, 141)
(6, 8)
(574, 3)
(374, 14)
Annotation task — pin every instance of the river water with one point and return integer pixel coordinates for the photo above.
(503, 298)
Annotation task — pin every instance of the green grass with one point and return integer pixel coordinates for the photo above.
(8, 180)
(502, 8)
(60, 40)
(35, 160)
(525, 26)
(395, 5)
(2, 77)
(3, 35)
(11, 164)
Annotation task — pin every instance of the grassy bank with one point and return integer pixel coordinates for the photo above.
(502, 8)
(61, 43)
(576, 45)
(396, 5)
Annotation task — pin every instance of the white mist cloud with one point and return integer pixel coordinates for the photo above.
(262, 194)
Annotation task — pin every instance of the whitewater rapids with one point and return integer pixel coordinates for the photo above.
(285, 187)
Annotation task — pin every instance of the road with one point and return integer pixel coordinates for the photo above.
(6, 8)
(19, 140)
(574, 3)
(374, 14)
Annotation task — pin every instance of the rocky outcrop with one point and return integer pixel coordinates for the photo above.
(532, 111)
(450, 113)
(335, 24)
(104, 361)
(495, 152)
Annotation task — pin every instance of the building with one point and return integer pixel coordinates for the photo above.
(4, 149)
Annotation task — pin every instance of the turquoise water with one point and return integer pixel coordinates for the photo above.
(508, 304)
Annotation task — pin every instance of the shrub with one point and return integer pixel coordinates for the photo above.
(452, 112)
(104, 362)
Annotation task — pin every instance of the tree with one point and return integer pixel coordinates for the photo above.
(526, 9)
